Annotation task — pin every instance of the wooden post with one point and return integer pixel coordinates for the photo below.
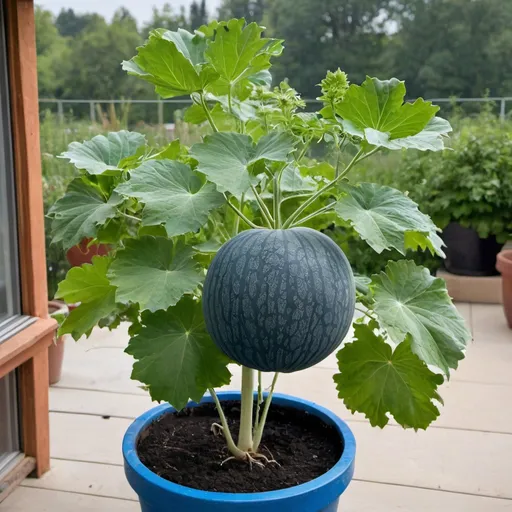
(21, 38)
(29, 349)
(34, 407)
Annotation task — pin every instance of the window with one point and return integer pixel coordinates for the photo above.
(9, 435)
(10, 307)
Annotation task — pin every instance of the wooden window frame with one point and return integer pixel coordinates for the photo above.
(27, 351)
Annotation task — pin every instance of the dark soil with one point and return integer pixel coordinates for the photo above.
(180, 447)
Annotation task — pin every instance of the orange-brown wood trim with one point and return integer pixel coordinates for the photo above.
(21, 38)
(34, 378)
(24, 345)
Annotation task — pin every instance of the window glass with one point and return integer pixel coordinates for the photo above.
(9, 434)
(9, 279)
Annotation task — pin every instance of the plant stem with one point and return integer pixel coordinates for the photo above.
(241, 215)
(261, 425)
(295, 196)
(263, 207)
(132, 217)
(361, 288)
(314, 214)
(371, 317)
(326, 187)
(340, 148)
(276, 192)
(260, 401)
(208, 114)
(239, 454)
(230, 106)
(304, 149)
(245, 433)
(236, 225)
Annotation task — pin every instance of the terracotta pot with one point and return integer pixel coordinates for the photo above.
(56, 349)
(504, 265)
(80, 254)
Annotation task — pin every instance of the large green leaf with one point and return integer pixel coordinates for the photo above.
(173, 195)
(81, 212)
(104, 154)
(376, 380)
(293, 181)
(376, 110)
(387, 219)
(239, 52)
(167, 60)
(90, 286)
(409, 300)
(176, 357)
(431, 138)
(225, 158)
(191, 46)
(154, 272)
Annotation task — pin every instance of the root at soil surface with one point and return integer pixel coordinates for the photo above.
(217, 429)
(252, 458)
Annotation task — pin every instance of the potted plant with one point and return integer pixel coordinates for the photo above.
(504, 266)
(219, 259)
(468, 193)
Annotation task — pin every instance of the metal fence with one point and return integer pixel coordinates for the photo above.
(64, 106)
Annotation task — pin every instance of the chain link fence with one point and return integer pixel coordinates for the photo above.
(163, 112)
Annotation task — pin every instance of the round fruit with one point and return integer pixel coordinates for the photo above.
(279, 300)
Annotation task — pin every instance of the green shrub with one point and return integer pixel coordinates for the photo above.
(471, 184)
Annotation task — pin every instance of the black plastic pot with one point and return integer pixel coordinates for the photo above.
(467, 254)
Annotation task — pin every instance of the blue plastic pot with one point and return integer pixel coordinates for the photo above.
(319, 495)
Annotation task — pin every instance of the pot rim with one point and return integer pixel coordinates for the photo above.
(504, 261)
(59, 308)
(344, 467)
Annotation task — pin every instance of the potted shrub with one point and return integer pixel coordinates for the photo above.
(219, 259)
(468, 193)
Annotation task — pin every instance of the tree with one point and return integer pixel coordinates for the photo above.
(468, 53)
(97, 53)
(166, 18)
(198, 14)
(251, 10)
(71, 24)
(326, 35)
(52, 55)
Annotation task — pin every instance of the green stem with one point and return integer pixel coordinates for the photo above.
(295, 196)
(361, 288)
(371, 317)
(304, 149)
(241, 215)
(239, 454)
(263, 207)
(236, 225)
(312, 215)
(208, 115)
(326, 187)
(276, 192)
(261, 425)
(245, 432)
(132, 217)
(260, 401)
(340, 149)
(230, 106)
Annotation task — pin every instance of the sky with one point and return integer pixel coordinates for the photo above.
(140, 9)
